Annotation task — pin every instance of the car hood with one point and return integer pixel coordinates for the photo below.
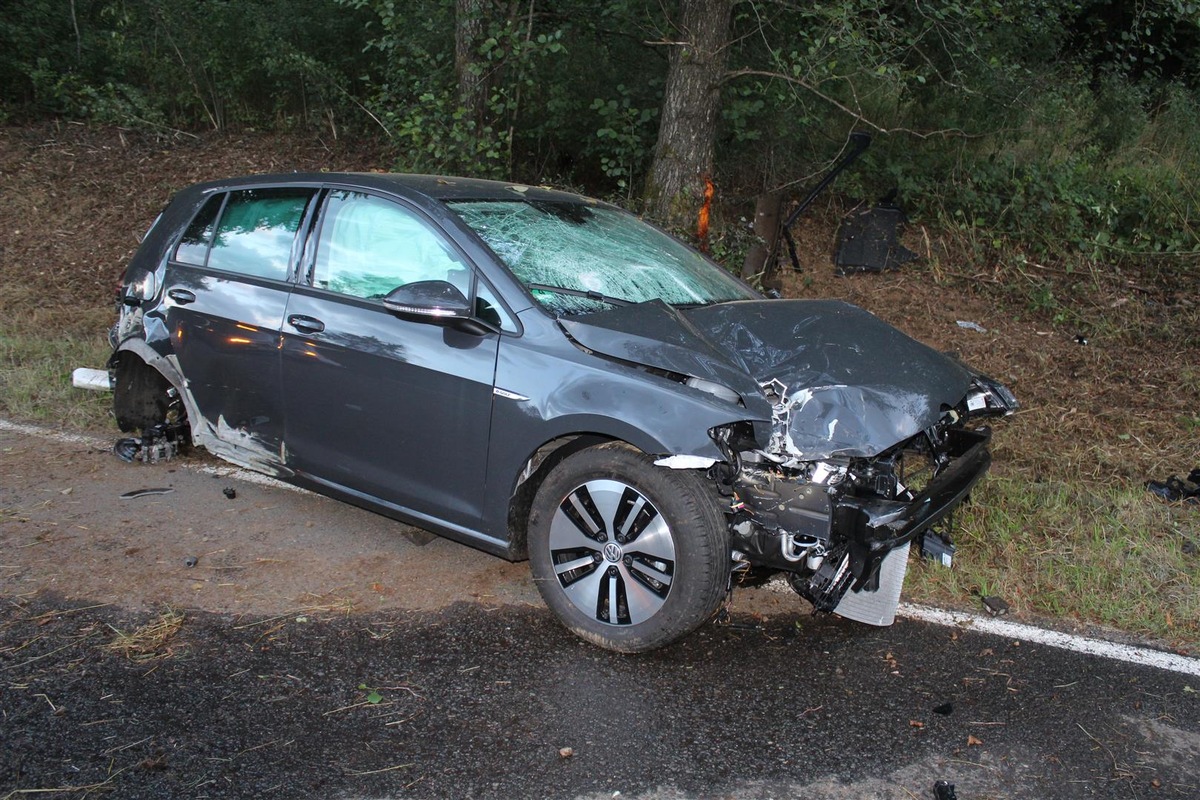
(833, 379)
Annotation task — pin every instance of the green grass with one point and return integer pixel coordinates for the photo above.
(1113, 556)
(35, 378)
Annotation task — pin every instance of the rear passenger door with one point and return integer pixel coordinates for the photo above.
(391, 409)
(226, 292)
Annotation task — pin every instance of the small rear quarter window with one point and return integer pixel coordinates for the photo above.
(193, 247)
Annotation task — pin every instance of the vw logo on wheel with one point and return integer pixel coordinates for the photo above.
(612, 551)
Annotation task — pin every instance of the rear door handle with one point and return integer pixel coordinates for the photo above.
(181, 296)
(306, 324)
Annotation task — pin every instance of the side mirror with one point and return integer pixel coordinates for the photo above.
(439, 302)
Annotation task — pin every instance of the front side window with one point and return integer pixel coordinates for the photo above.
(370, 246)
(580, 247)
(257, 232)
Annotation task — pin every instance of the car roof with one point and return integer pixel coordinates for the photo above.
(437, 188)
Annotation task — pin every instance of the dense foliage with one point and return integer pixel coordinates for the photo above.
(1070, 125)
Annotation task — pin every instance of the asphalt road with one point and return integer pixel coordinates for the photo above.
(483, 695)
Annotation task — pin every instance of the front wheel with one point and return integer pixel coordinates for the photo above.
(630, 556)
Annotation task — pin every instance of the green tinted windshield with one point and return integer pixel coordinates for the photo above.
(587, 248)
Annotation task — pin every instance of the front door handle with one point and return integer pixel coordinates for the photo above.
(181, 296)
(306, 324)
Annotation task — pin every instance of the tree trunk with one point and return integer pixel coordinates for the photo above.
(470, 17)
(687, 131)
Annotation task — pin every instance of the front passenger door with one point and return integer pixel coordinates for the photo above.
(391, 409)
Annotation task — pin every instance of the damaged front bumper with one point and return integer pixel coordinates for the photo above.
(876, 526)
(841, 529)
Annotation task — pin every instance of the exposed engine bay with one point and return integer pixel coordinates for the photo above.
(830, 524)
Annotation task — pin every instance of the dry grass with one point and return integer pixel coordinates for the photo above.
(35, 376)
(149, 642)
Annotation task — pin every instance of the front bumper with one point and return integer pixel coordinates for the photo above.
(874, 526)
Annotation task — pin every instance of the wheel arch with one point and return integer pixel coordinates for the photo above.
(539, 465)
(142, 380)
(574, 433)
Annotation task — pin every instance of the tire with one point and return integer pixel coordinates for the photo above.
(607, 525)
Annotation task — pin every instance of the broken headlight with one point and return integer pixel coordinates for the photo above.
(990, 398)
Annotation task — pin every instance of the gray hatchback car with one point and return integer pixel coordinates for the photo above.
(544, 376)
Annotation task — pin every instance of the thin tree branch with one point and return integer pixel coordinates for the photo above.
(945, 132)
(78, 38)
(187, 69)
(365, 110)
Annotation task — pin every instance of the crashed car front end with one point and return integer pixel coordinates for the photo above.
(858, 440)
(840, 528)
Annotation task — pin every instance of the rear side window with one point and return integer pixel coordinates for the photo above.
(193, 247)
(257, 232)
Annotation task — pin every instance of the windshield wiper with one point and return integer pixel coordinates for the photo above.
(590, 295)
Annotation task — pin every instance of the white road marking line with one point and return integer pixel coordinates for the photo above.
(57, 436)
(1141, 656)
(1067, 641)
(251, 477)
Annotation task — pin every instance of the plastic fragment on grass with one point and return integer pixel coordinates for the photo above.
(97, 380)
(937, 548)
(1174, 490)
(869, 241)
(971, 326)
(995, 606)
(944, 790)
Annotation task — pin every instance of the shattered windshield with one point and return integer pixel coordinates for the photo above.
(576, 258)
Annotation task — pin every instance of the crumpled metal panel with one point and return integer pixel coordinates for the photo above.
(854, 385)
(658, 335)
(846, 383)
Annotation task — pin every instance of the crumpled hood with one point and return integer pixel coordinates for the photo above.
(842, 381)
